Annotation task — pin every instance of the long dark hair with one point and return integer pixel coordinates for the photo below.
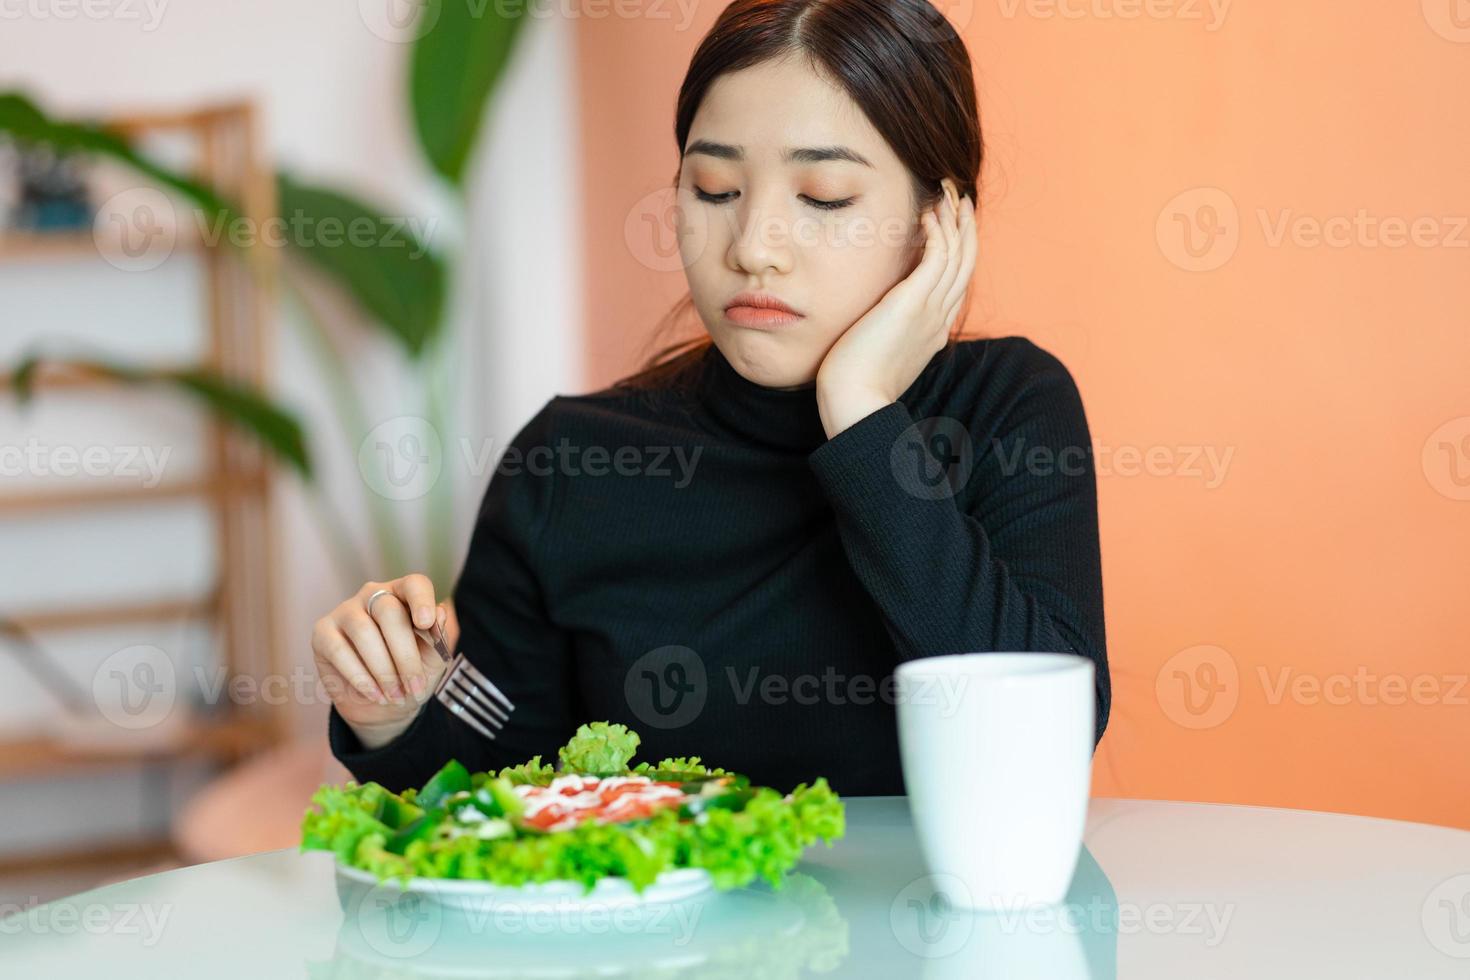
(899, 60)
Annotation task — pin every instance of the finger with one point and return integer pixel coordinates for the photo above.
(342, 691)
(434, 665)
(969, 250)
(363, 632)
(397, 631)
(953, 255)
(926, 275)
(417, 593)
(954, 313)
(944, 211)
(331, 648)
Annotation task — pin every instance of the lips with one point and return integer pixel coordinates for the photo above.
(760, 301)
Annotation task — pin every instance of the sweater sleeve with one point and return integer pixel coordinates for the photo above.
(505, 632)
(1016, 569)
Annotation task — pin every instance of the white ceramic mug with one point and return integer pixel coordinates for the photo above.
(997, 763)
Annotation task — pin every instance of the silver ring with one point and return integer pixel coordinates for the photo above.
(374, 596)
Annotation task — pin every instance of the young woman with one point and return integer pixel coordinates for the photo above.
(732, 550)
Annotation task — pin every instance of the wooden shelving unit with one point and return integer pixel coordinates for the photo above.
(223, 740)
(236, 485)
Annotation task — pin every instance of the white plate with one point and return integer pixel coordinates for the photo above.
(751, 932)
(674, 885)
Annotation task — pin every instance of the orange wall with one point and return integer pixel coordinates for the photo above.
(1330, 545)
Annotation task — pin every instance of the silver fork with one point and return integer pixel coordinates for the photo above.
(465, 691)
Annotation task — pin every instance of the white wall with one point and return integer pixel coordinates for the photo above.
(331, 91)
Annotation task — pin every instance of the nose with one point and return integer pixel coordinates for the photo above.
(763, 242)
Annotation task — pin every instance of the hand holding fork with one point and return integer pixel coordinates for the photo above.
(380, 659)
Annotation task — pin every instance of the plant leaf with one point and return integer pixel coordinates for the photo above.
(21, 118)
(454, 67)
(23, 379)
(250, 410)
(235, 403)
(388, 270)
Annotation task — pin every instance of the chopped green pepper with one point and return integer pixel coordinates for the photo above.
(511, 805)
(732, 800)
(395, 813)
(453, 778)
(421, 829)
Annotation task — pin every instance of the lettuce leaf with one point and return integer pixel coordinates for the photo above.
(531, 773)
(687, 767)
(599, 748)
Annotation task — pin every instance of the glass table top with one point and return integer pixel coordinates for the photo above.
(1162, 889)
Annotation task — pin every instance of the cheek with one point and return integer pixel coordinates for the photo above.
(857, 274)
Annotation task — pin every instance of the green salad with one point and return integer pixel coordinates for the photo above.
(590, 817)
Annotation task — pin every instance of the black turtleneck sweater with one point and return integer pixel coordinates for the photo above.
(711, 570)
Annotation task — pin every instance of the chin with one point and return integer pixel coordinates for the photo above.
(771, 359)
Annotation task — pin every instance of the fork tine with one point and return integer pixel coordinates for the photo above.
(485, 683)
(472, 698)
(460, 663)
(446, 699)
(482, 701)
(467, 708)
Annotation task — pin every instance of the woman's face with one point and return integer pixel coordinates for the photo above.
(768, 148)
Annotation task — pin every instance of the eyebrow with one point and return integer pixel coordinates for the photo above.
(794, 154)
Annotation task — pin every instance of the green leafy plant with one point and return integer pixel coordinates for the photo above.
(240, 405)
(395, 280)
(453, 71)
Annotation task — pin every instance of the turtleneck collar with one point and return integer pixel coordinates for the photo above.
(768, 416)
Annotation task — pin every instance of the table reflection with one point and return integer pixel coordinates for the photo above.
(799, 929)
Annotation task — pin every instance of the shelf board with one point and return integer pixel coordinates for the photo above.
(40, 756)
(46, 245)
(100, 856)
(52, 376)
(42, 500)
(78, 244)
(107, 615)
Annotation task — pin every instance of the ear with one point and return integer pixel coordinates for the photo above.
(952, 191)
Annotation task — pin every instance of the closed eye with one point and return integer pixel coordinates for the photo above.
(729, 196)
